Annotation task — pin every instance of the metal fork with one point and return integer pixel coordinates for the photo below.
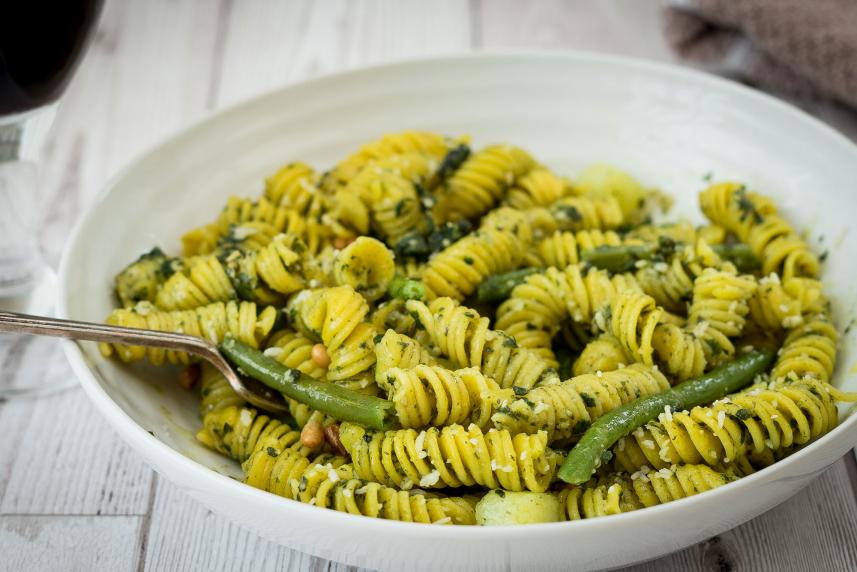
(259, 395)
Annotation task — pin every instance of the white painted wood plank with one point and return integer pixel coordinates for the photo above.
(628, 27)
(72, 543)
(60, 457)
(186, 536)
(268, 44)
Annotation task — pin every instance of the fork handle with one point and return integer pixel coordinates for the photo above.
(200, 347)
(91, 331)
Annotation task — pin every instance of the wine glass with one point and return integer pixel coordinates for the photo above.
(41, 44)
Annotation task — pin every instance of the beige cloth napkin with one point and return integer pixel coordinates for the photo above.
(804, 48)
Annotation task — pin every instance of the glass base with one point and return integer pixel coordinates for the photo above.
(30, 368)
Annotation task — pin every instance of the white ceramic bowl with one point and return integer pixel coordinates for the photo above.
(666, 125)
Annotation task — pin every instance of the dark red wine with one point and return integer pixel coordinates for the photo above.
(41, 42)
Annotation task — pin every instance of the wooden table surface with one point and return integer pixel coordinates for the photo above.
(72, 495)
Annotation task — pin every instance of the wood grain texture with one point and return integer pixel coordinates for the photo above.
(186, 536)
(69, 543)
(59, 456)
(269, 44)
(155, 66)
(627, 27)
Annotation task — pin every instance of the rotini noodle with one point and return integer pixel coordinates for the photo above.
(213, 322)
(566, 409)
(453, 456)
(464, 337)
(327, 482)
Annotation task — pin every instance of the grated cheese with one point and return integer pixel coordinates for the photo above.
(430, 479)
(273, 352)
(700, 328)
(419, 442)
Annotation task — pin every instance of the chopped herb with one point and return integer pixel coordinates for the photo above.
(743, 414)
(400, 207)
(412, 245)
(707, 177)
(568, 212)
(519, 390)
(367, 437)
(447, 234)
(823, 256)
(454, 158)
(500, 493)
(588, 400)
(468, 260)
(714, 346)
(378, 337)
(746, 206)
(606, 456)
(510, 342)
(580, 427)
(273, 452)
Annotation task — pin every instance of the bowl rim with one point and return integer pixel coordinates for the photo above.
(152, 447)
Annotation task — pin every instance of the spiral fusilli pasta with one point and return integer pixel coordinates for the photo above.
(564, 410)
(433, 395)
(213, 322)
(327, 482)
(479, 312)
(754, 219)
(642, 489)
(464, 337)
(452, 456)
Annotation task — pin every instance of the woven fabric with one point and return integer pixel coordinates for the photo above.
(806, 48)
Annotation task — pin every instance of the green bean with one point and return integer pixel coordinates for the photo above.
(340, 403)
(412, 245)
(451, 162)
(585, 457)
(499, 287)
(624, 258)
(618, 258)
(739, 254)
(406, 288)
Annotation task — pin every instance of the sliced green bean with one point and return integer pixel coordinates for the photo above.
(618, 259)
(739, 254)
(340, 403)
(406, 288)
(585, 457)
(499, 287)
(624, 258)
